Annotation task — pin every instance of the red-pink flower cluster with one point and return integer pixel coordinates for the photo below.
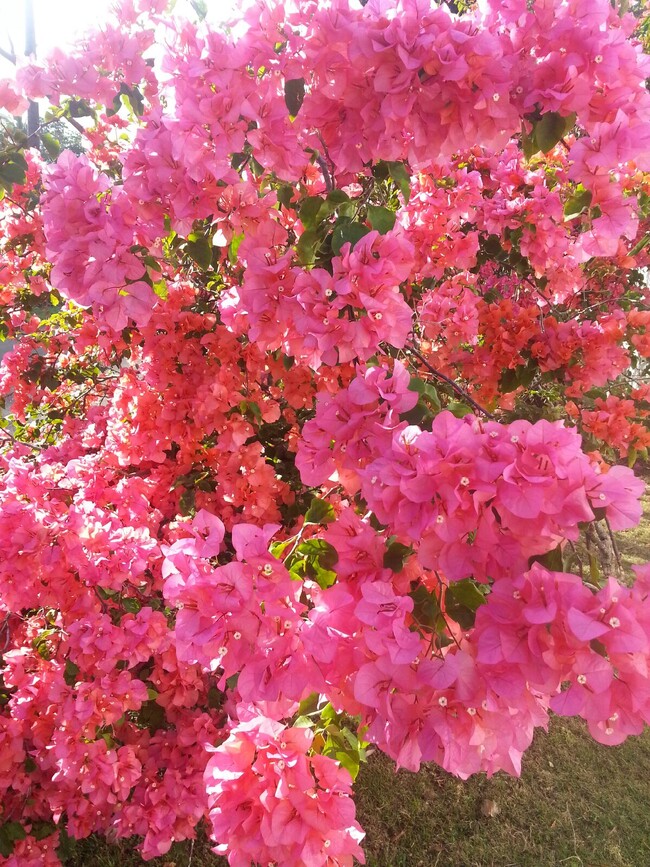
(270, 801)
(284, 435)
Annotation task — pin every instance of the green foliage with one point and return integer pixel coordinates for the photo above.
(547, 131)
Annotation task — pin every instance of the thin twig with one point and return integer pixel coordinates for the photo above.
(617, 553)
(8, 56)
(18, 442)
(75, 123)
(329, 186)
(459, 391)
(330, 161)
(638, 247)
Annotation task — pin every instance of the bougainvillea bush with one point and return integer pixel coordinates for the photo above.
(325, 355)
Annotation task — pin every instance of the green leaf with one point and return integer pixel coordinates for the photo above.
(308, 246)
(79, 108)
(314, 210)
(459, 409)
(12, 831)
(321, 550)
(462, 599)
(552, 560)
(347, 232)
(40, 643)
(309, 704)
(200, 251)
(277, 549)
(381, 219)
(160, 289)
(320, 512)
(233, 249)
(131, 605)
(551, 128)
(6, 845)
(519, 376)
(396, 556)
(419, 415)
(466, 593)
(350, 763)
(416, 384)
(41, 830)
(400, 175)
(323, 577)
(187, 503)
(426, 608)
(316, 559)
(200, 7)
(152, 716)
(338, 197)
(70, 672)
(294, 95)
(574, 206)
(52, 145)
(285, 195)
(13, 167)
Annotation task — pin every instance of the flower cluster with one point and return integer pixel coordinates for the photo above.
(322, 354)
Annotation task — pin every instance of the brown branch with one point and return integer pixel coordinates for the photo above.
(450, 382)
(329, 186)
(18, 442)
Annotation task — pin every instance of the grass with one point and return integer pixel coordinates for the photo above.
(577, 803)
(635, 544)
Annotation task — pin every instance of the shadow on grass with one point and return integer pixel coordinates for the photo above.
(577, 804)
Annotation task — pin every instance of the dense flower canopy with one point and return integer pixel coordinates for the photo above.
(326, 352)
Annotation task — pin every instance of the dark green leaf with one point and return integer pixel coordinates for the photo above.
(400, 175)
(459, 409)
(70, 672)
(13, 831)
(6, 845)
(381, 219)
(187, 504)
(314, 210)
(131, 605)
(396, 556)
(551, 128)
(12, 170)
(152, 716)
(466, 593)
(41, 830)
(200, 251)
(347, 232)
(419, 415)
(338, 197)
(308, 246)
(552, 560)
(519, 376)
(426, 608)
(294, 95)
